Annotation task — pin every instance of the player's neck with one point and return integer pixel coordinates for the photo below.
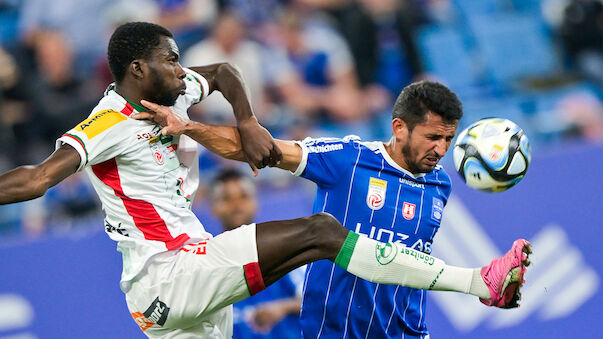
(131, 95)
(394, 150)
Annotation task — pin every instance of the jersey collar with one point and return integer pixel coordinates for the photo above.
(395, 165)
(110, 91)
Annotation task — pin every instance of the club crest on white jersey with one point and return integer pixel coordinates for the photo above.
(375, 198)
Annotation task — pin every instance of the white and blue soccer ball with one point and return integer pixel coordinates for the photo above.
(492, 154)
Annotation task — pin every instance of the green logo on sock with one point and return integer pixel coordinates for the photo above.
(385, 252)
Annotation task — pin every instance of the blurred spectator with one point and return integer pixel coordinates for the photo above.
(272, 313)
(56, 97)
(228, 43)
(381, 37)
(74, 21)
(9, 109)
(583, 113)
(582, 34)
(329, 89)
(254, 13)
(73, 199)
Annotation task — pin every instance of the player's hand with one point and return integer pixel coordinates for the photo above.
(171, 122)
(266, 316)
(259, 147)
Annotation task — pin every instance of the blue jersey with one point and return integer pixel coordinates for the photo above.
(370, 194)
(287, 328)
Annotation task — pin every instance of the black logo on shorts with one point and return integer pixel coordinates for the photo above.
(112, 229)
(157, 312)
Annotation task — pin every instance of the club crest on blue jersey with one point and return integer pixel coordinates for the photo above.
(408, 210)
(436, 209)
(375, 198)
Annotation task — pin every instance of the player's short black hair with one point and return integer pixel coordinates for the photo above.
(424, 96)
(228, 174)
(231, 174)
(130, 41)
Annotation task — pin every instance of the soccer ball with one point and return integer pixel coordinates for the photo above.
(492, 154)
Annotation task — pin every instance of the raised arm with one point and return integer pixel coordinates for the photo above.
(225, 141)
(30, 182)
(257, 144)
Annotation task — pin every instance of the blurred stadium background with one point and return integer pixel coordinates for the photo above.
(320, 68)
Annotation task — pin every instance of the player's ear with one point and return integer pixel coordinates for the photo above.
(136, 69)
(399, 129)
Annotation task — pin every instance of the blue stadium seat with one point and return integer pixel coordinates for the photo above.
(8, 26)
(445, 54)
(514, 46)
(469, 8)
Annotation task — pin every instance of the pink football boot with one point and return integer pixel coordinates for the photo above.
(504, 276)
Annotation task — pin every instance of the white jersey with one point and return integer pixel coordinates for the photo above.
(145, 180)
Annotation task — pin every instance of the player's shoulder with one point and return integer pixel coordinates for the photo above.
(439, 176)
(107, 115)
(349, 143)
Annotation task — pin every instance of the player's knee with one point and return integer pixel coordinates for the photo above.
(322, 224)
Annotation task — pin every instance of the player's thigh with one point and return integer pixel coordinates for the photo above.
(217, 325)
(185, 287)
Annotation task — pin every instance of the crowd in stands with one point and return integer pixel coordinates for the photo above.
(313, 68)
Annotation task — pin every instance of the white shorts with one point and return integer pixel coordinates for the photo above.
(188, 292)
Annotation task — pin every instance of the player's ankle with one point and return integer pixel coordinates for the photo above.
(478, 285)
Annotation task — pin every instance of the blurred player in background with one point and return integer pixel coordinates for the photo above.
(390, 192)
(178, 280)
(274, 312)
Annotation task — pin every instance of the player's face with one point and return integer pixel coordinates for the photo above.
(427, 143)
(166, 76)
(234, 204)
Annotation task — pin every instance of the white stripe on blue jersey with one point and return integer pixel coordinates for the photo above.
(372, 195)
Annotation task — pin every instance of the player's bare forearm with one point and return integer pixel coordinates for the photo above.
(257, 144)
(227, 80)
(221, 140)
(30, 182)
(225, 141)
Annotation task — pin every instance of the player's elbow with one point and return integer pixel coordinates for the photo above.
(226, 68)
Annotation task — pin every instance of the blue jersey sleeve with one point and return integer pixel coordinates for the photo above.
(326, 161)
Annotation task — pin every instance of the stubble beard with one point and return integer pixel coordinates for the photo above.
(162, 96)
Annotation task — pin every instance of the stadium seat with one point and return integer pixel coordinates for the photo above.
(514, 46)
(446, 55)
(469, 8)
(8, 27)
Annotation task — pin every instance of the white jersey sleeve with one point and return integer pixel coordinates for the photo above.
(197, 87)
(97, 138)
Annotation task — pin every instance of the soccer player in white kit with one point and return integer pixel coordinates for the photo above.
(179, 282)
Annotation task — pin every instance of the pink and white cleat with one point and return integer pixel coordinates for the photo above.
(504, 276)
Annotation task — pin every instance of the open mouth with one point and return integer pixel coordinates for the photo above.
(432, 160)
(182, 89)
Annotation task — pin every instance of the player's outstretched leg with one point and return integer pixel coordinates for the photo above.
(504, 276)
(285, 245)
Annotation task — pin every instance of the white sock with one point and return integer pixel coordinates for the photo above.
(392, 263)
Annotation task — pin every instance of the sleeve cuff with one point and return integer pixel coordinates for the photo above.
(304, 161)
(75, 143)
(204, 87)
(203, 84)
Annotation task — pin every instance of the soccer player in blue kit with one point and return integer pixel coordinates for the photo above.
(393, 192)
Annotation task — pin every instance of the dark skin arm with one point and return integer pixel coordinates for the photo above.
(224, 141)
(30, 182)
(259, 149)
